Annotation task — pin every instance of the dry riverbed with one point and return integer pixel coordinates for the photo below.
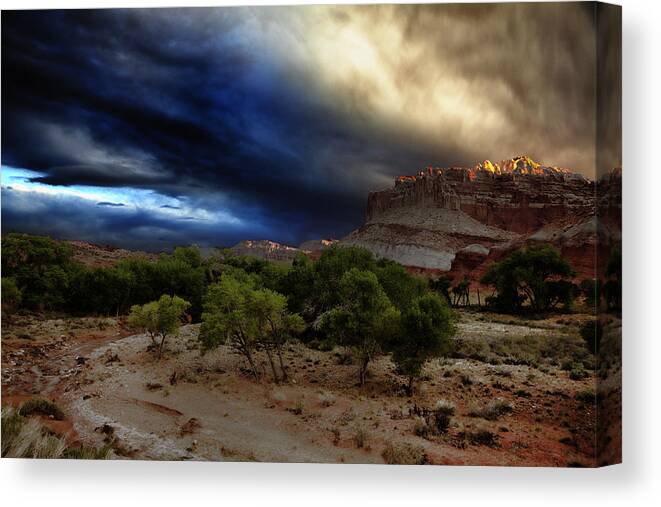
(190, 406)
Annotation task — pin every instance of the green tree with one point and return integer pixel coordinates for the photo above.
(273, 324)
(524, 275)
(298, 284)
(333, 263)
(364, 319)
(427, 327)
(40, 268)
(145, 317)
(226, 319)
(160, 318)
(248, 319)
(400, 287)
(11, 294)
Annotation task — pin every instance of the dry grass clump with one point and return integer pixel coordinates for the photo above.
(493, 411)
(404, 453)
(435, 421)
(27, 438)
(326, 399)
(522, 350)
(480, 436)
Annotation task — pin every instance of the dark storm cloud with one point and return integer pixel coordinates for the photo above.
(111, 204)
(286, 117)
(70, 217)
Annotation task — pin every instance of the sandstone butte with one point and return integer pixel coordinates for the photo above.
(458, 219)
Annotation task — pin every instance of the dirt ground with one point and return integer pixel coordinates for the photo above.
(207, 407)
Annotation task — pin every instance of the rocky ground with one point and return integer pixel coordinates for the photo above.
(189, 406)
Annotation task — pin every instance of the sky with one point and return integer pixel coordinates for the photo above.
(149, 128)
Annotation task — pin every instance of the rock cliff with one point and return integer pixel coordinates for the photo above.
(458, 219)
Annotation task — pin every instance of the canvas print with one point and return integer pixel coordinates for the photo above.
(381, 234)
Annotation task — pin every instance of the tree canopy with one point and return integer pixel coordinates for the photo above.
(525, 276)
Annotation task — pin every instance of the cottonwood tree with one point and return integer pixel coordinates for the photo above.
(364, 320)
(274, 325)
(525, 275)
(426, 330)
(248, 319)
(160, 318)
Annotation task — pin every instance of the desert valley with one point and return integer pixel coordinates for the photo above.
(473, 319)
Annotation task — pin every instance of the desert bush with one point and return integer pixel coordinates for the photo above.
(591, 332)
(345, 357)
(435, 421)
(586, 396)
(326, 399)
(421, 428)
(404, 453)
(502, 372)
(493, 410)
(41, 407)
(578, 373)
(533, 350)
(480, 436)
(445, 407)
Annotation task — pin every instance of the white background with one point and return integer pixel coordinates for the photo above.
(636, 482)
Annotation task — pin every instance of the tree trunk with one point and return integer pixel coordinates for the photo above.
(252, 364)
(275, 373)
(160, 348)
(282, 365)
(363, 370)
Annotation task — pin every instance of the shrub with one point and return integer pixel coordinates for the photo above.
(578, 373)
(587, 396)
(493, 410)
(445, 407)
(591, 332)
(421, 428)
(404, 453)
(480, 436)
(326, 399)
(41, 407)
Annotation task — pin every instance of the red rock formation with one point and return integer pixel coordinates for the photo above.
(461, 219)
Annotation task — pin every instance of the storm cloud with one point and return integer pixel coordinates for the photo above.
(276, 122)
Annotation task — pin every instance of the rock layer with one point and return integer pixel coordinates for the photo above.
(460, 219)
